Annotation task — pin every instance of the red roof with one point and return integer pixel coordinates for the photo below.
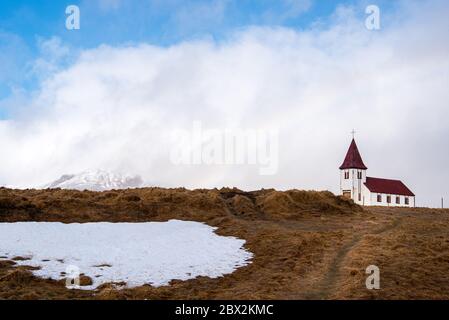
(353, 160)
(388, 186)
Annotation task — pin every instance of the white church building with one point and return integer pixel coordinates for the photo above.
(369, 191)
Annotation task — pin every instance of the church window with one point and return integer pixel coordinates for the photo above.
(388, 199)
(398, 200)
(346, 174)
(359, 175)
(379, 198)
(406, 200)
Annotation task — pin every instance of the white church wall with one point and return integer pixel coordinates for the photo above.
(353, 184)
(385, 203)
(367, 201)
(345, 184)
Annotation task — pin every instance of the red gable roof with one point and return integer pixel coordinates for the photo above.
(353, 160)
(387, 186)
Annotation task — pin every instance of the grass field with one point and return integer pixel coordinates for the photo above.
(306, 244)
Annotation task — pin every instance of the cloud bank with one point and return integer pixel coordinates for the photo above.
(115, 108)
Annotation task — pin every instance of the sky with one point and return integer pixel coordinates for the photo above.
(111, 94)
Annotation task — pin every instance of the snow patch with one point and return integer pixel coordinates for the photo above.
(135, 253)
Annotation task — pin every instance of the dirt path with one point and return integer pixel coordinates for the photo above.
(328, 285)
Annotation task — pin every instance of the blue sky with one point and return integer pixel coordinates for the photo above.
(160, 22)
(25, 24)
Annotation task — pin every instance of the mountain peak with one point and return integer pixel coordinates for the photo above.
(96, 180)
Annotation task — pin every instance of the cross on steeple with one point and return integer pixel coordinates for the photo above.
(353, 133)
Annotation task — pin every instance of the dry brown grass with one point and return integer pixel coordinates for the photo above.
(307, 245)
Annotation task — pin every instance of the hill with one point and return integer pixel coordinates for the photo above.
(306, 244)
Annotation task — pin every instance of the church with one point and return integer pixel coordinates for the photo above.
(369, 191)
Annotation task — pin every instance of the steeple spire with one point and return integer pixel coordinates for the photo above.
(353, 159)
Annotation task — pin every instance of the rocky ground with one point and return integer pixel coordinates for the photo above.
(307, 245)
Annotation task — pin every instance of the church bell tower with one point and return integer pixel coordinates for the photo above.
(353, 175)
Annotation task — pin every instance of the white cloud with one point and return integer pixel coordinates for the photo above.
(116, 107)
(52, 56)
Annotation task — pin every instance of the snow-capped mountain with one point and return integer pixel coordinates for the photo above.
(97, 180)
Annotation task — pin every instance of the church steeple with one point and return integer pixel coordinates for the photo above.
(353, 159)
